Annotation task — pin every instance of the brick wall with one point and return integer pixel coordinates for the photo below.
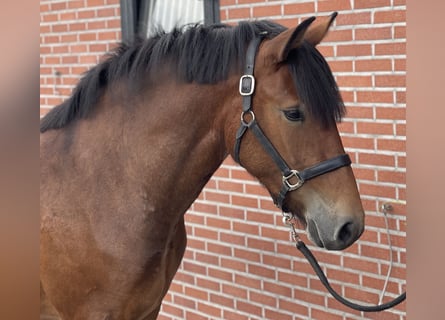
(74, 35)
(239, 263)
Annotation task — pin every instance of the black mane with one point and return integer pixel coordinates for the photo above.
(202, 54)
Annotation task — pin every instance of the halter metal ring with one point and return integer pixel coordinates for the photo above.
(296, 175)
(252, 118)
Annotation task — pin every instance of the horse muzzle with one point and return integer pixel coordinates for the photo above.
(334, 233)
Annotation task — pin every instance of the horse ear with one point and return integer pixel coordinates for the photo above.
(316, 33)
(282, 44)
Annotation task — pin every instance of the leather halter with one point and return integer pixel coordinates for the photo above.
(292, 179)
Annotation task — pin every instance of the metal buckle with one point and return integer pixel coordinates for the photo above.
(290, 185)
(289, 220)
(246, 85)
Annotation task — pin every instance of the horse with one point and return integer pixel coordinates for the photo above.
(126, 155)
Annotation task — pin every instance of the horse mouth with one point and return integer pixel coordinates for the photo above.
(313, 234)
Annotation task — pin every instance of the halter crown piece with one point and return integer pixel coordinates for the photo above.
(292, 179)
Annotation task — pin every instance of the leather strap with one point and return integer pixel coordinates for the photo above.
(314, 171)
(325, 167)
(270, 149)
(248, 74)
(246, 89)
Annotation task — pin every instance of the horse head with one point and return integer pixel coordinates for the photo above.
(292, 100)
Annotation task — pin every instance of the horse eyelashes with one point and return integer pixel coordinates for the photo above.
(294, 115)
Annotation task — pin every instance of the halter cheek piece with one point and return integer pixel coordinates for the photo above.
(292, 179)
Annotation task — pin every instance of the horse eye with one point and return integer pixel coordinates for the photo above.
(294, 115)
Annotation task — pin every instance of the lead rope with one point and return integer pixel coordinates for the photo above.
(289, 220)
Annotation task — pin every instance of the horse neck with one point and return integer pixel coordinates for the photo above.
(177, 140)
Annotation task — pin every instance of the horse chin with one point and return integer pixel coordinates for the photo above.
(311, 229)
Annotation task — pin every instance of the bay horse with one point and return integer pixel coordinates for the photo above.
(127, 154)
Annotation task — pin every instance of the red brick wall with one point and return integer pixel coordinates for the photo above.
(74, 35)
(239, 263)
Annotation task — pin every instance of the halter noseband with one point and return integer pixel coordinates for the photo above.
(292, 179)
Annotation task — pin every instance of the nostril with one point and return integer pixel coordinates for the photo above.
(346, 232)
(334, 235)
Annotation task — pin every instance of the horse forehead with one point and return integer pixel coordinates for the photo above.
(276, 82)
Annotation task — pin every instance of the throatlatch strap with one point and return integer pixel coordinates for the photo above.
(239, 134)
